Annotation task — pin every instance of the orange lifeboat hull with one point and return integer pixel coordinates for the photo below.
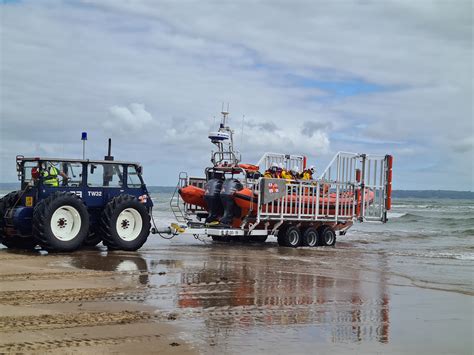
(193, 195)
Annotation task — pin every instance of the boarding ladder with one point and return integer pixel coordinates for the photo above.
(176, 203)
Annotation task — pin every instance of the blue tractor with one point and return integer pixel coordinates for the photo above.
(64, 204)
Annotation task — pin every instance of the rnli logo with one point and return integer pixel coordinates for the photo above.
(273, 188)
(143, 198)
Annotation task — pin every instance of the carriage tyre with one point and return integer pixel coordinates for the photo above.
(259, 239)
(310, 237)
(281, 235)
(327, 236)
(125, 223)
(245, 239)
(60, 222)
(292, 237)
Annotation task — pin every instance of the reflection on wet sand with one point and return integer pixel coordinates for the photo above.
(257, 292)
(230, 290)
(109, 261)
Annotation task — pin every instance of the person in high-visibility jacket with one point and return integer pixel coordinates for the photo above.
(272, 172)
(285, 174)
(308, 174)
(51, 175)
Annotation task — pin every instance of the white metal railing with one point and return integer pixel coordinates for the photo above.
(353, 186)
(311, 201)
(287, 161)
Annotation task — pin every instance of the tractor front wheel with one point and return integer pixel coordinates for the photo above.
(125, 223)
(60, 222)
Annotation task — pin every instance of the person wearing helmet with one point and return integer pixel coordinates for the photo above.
(285, 174)
(267, 173)
(278, 170)
(295, 173)
(272, 172)
(308, 173)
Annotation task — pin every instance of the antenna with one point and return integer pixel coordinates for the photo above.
(224, 115)
(223, 139)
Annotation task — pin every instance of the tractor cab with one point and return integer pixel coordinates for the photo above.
(66, 203)
(94, 181)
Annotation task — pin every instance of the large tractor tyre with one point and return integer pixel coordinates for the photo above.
(7, 202)
(60, 222)
(310, 237)
(93, 238)
(19, 242)
(125, 223)
(291, 237)
(15, 242)
(327, 236)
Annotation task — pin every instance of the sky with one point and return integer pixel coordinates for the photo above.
(301, 77)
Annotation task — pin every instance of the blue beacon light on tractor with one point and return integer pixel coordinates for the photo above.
(84, 138)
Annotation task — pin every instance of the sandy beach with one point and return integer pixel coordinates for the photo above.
(186, 296)
(46, 306)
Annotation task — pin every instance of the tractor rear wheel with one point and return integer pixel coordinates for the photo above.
(125, 223)
(12, 242)
(60, 222)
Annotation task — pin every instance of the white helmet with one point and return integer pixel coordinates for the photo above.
(295, 168)
(312, 168)
(274, 165)
(281, 166)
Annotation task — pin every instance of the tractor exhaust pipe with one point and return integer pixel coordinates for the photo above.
(109, 152)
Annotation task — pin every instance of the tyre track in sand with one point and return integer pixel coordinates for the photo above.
(72, 342)
(71, 320)
(59, 296)
(55, 275)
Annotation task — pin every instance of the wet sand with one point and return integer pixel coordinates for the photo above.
(227, 298)
(48, 306)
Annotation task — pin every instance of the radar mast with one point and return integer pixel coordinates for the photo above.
(223, 139)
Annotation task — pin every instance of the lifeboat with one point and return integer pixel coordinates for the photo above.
(247, 201)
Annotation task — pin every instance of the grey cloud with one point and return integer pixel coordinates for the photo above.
(309, 128)
(264, 126)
